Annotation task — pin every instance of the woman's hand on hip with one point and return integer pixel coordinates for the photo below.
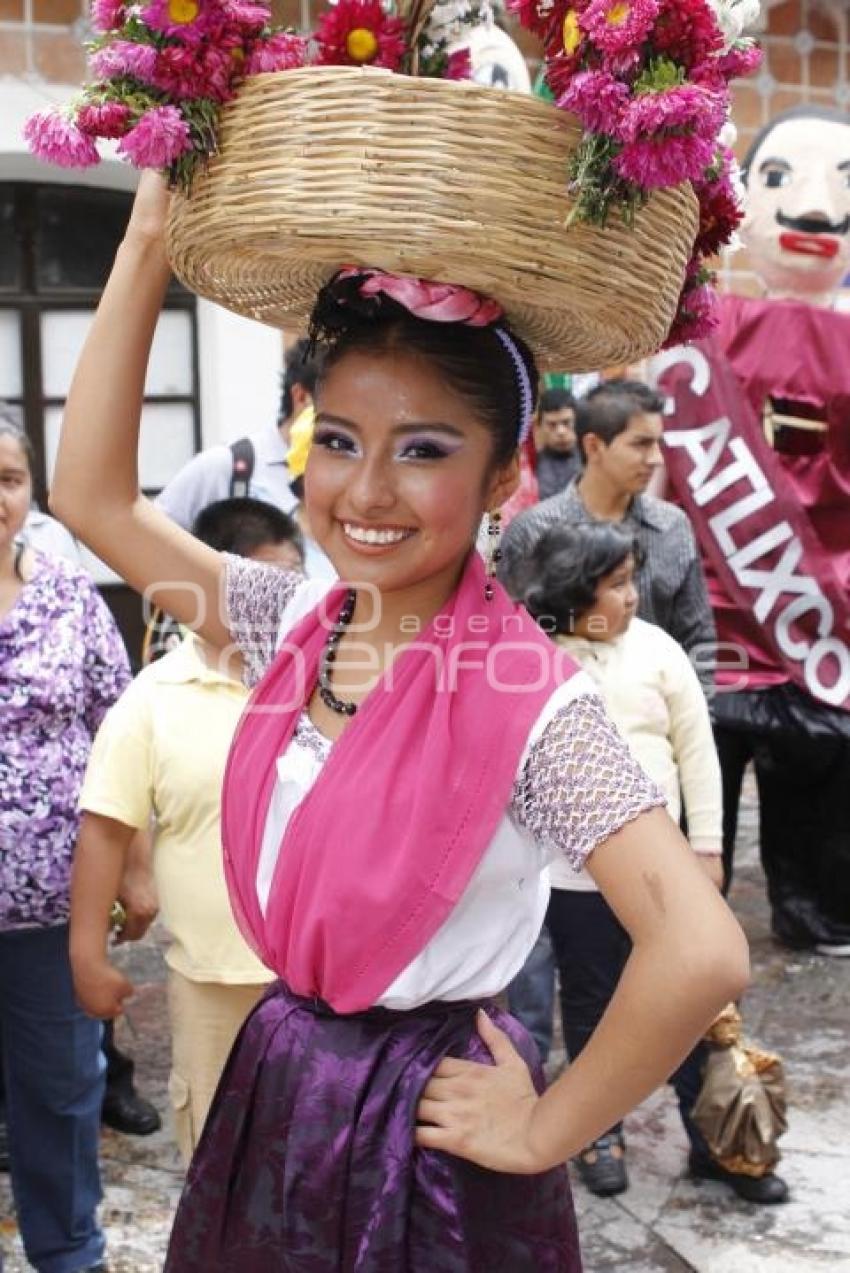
(482, 1112)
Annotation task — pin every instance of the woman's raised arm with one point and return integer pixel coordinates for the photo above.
(95, 489)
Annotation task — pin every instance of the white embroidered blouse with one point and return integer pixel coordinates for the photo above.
(576, 784)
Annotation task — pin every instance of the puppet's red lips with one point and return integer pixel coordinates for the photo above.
(823, 245)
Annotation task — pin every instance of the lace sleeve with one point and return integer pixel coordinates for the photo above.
(256, 597)
(580, 783)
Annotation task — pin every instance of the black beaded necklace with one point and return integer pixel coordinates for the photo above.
(326, 694)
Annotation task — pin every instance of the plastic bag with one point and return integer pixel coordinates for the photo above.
(741, 1108)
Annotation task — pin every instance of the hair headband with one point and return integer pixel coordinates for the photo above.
(526, 393)
(446, 303)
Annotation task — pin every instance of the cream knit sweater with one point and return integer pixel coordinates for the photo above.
(654, 698)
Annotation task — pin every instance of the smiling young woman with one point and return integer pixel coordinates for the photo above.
(386, 840)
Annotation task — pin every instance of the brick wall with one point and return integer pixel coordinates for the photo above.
(805, 41)
(42, 40)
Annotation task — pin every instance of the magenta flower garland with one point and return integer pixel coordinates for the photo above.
(647, 79)
(649, 82)
(161, 70)
(159, 73)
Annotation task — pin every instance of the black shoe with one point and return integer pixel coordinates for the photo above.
(764, 1191)
(129, 1113)
(602, 1166)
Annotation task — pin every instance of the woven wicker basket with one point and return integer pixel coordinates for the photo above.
(327, 166)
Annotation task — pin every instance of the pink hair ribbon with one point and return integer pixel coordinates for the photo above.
(445, 303)
(435, 302)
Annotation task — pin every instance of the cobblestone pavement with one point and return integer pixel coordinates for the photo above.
(799, 1004)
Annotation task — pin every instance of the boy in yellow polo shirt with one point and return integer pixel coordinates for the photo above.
(159, 758)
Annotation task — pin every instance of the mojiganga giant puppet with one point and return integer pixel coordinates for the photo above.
(758, 450)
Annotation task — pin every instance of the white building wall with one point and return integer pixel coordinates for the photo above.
(240, 365)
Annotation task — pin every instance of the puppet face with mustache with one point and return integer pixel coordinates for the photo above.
(797, 227)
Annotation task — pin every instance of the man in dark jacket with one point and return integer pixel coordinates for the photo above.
(558, 456)
(619, 427)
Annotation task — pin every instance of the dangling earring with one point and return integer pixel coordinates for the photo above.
(494, 550)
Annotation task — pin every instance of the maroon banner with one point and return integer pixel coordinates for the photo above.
(750, 527)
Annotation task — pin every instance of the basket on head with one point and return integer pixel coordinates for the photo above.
(329, 166)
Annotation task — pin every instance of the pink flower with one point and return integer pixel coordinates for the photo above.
(459, 65)
(688, 108)
(742, 59)
(160, 137)
(560, 71)
(187, 19)
(719, 216)
(196, 70)
(720, 212)
(107, 15)
(540, 15)
(104, 119)
(360, 33)
(697, 315)
(618, 25)
(124, 57)
(531, 14)
(670, 136)
(688, 32)
(247, 15)
(282, 52)
(664, 160)
(597, 99)
(57, 140)
(565, 44)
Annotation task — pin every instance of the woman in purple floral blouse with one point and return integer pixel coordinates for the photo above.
(62, 664)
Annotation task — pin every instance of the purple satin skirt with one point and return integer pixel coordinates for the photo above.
(307, 1162)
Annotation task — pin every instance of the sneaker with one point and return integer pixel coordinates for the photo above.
(838, 950)
(764, 1191)
(602, 1166)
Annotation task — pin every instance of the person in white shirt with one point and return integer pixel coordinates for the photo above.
(46, 535)
(213, 474)
(581, 589)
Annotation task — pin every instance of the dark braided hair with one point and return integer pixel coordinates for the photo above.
(472, 361)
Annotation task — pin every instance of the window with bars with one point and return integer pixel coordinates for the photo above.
(57, 244)
(56, 247)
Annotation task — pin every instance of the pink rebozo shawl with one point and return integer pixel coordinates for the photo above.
(381, 848)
